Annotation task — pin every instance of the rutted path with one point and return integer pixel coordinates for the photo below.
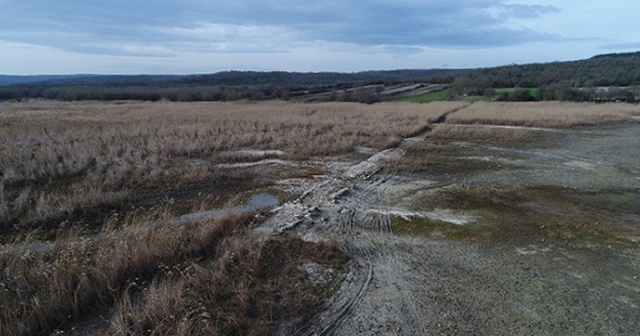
(349, 207)
(380, 278)
(411, 285)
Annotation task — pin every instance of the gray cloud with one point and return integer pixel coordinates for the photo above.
(163, 27)
(623, 46)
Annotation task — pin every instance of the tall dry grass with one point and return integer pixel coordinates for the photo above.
(249, 290)
(47, 139)
(544, 114)
(487, 134)
(201, 278)
(58, 157)
(209, 278)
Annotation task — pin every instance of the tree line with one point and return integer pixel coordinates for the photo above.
(575, 80)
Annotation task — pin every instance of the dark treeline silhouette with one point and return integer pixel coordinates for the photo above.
(602, 70)
(575, 80)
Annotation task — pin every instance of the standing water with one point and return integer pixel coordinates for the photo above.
(256, 202)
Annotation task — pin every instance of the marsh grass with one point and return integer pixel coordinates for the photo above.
(203, 278)
(69, 169)
(120, 141)
(46, 290)
(56, 158)
(482, 134)
(249, 287)
(544, 114)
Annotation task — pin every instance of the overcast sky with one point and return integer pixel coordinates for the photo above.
(203, 36)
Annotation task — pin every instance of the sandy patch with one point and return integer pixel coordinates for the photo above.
(372, 164)
(256, 163)
(253, 153)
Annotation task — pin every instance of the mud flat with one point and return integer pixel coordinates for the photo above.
(530, 238)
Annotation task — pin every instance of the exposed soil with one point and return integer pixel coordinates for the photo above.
(532, 238)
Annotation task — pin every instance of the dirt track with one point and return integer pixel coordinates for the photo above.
(559, 256)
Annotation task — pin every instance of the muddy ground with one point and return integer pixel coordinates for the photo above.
(535, 237)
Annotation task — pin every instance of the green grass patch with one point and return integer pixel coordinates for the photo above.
(501, 91)
(625, 198)
(521, 215)
(426, 98)
(427, 227)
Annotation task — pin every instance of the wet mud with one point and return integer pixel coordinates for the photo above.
(520, 238)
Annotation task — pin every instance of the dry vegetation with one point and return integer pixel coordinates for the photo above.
(544, 114)
(488, 134)
(59, 158)
(66, 168)
(48, 139)
(206, 278)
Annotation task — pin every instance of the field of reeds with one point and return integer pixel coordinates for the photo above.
(57, 159)
(202, 278)
(470, 132)
(80, 183)
(544, 114)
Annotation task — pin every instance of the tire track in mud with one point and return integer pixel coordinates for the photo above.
(422, 132)
(349, 222)
(364, 181)
(347, 225)
(385, 280)
(330, 330)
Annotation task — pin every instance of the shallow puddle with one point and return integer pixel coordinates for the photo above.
(256, 202)
(255, 163)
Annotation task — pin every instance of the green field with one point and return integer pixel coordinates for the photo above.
(500, 91)
(426, 98)
(443, 94)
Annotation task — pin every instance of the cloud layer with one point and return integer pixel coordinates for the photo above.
(183, 31)
(158, 27)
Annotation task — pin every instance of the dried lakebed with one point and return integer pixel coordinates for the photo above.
(535, 238)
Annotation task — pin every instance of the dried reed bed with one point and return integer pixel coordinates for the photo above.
(92, 153)
(544, 114)
(485, 134)
(46, 139)
(207, 278)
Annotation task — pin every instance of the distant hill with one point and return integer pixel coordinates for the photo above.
(312, 78)
(12, 80)
(89, 79)
(557, 80)
(229, 78)
(602, 70)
